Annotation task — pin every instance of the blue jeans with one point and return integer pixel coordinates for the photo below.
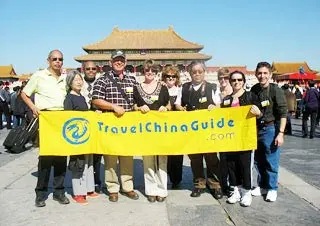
(267, 158)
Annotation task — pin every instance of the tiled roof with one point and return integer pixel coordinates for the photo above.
(284, 68)
(23, 77)
(154, 56)
(243, 69)
(7, 71)
(143, 39)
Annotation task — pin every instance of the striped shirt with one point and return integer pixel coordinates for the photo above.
(104, 89)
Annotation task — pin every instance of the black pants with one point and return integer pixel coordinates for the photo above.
(174, 168)
(224, 170)
(239, 168)
(313, 113)
(4, 108)
(213, 170)
(44, 167)
(96, 169)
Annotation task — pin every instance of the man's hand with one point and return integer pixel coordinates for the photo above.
(279, 140)
(35, 111)
(211, 107)
(118, 110)
(144, 109)
(255, 110)
(163, 108)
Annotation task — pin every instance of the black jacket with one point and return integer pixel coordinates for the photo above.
(247, 98)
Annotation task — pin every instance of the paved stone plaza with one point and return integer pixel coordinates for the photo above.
(298, 200)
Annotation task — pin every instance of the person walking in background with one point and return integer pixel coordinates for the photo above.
(81, 166)
(90, 76)
(292, 107)
(270, 126)
(311, 102)
(49, 88)
(4, 106)
(171, 77)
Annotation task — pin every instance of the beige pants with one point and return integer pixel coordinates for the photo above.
(155, 175)
(126, 173)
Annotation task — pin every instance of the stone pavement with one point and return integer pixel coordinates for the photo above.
(298, 198)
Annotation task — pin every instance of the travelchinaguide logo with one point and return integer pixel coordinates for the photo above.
(76, 131)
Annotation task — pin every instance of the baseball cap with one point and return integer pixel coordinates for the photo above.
(118, 53)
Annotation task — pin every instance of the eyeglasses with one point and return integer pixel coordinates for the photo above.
(170, 76)
(237, 79)
(91, 68)
(57, 59)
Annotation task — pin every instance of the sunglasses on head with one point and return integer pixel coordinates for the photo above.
(223, 78)
(57, 59)
(91, 68)
(237, 79)
(171, 76)
(152, 70)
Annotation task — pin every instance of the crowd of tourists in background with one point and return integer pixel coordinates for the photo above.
(227, 173)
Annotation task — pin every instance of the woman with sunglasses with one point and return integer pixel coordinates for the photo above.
(171, 78)
(152, 95)
(239, 163)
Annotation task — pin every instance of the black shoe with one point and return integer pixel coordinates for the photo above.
(40, 202)
(98, 189)
(305, 136)
(62, 199)
(175, 186)
(311, 137)
(216, 193)
(196, 192)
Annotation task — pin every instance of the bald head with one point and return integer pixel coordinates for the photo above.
(90, 70)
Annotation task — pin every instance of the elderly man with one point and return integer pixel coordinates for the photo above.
(49, 87)
(114, 92)
(90, 76)
(270, 126)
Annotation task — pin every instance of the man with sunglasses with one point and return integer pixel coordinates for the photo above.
(49, 87)
(90, 70)
(113, 92)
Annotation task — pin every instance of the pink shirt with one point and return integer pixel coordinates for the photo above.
(236, 104)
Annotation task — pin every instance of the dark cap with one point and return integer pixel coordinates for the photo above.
(118, 53)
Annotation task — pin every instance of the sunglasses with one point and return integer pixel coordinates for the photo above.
(91, 68)
(171, 76)
(237, 79)
(57, 59)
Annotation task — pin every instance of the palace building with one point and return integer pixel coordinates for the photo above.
(165, 47)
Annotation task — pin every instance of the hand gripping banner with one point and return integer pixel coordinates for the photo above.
(154, 133)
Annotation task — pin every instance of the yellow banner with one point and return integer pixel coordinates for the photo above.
(154, 133)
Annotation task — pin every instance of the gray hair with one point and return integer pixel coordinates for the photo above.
(52, 51)
(70, 77)
(194, 63)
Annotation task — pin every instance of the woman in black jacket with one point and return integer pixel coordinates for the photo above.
(239, 163)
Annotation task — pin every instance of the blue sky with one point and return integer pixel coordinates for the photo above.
(233, 32)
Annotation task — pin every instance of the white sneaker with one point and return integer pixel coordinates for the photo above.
(257, 191)
(246, 199)
(235, 196)
(272, 196)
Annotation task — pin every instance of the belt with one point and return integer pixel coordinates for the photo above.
(268, 123)
(262, 123)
